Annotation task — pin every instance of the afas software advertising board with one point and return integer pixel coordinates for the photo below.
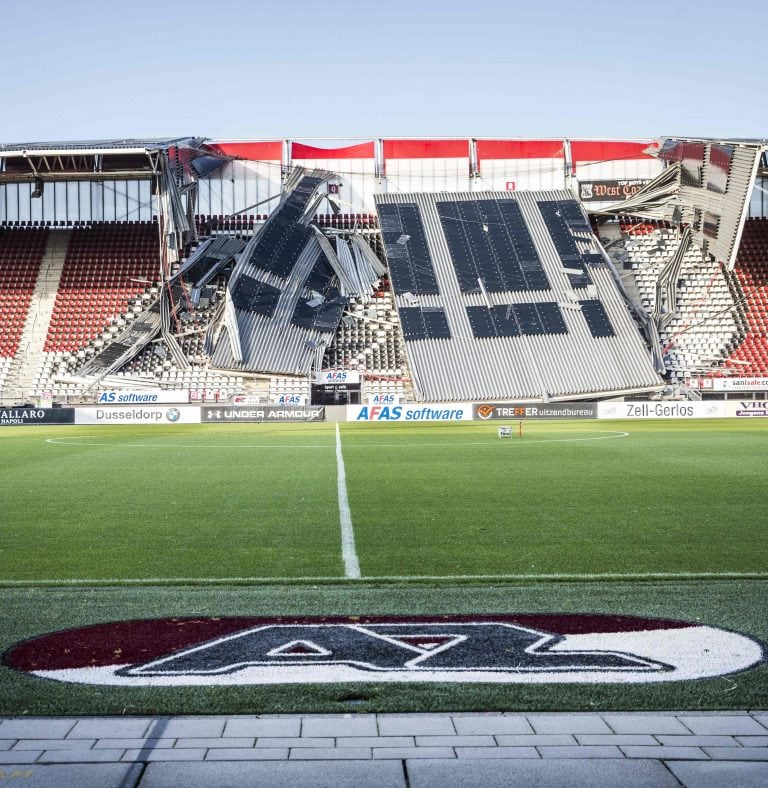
(450, 411)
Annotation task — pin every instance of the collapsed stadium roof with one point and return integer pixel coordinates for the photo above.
(501, 294)
(504, 296)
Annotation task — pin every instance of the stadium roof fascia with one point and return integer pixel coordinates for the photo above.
(96, 147)
(93, 160)
(743, 141)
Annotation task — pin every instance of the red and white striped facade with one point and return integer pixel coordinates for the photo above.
(407, 165)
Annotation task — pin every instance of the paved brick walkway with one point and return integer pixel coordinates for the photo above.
(417, 750)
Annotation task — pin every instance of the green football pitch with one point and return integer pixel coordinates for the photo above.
(657, 519)
(265, 503)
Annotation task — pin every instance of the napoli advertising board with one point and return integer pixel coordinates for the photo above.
(524, 410)
(138, 414)
(661, 410)
(445, 412)
(21, 416)
(263, 413)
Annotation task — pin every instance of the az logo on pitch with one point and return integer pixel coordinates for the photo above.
(524, 649)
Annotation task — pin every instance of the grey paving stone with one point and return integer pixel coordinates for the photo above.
(697, 741)
(111, 728)
(276, 774)
(134, 744)
(20, 756)
(263, 726)
(6, 744)
(164, 755)
(567, 723)
(248, 754)
(712, 774)
(666, 753)
(209, 743)
(616, 738)
(761, 718)
(35, 729)
(89, 775)
(81, 756)
(645, 723)
(752, 741)
(198, 727)
(54, 744)
(355, 725)
(721, 725)
(375, 741)
(534, 739)
(335, 754)
(476, 726)
(401, 753)
(296, 741)
(522, 773)
(455, 741)
(581, 751)
(737, 753)
(416, 726)
(497, 752)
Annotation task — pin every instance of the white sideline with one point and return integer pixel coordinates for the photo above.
(614, 576)
(348, 552)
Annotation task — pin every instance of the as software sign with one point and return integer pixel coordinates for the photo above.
(148, 397)
(423, 412)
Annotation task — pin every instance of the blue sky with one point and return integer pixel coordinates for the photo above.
(78, 69)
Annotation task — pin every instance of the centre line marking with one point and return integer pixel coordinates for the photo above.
(348, 552)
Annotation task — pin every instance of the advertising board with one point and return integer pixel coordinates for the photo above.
(450, 411)
(138, 414)
(337, 377)
(261, 413)
(708, 409)
(21, 416)
(522, 410)
(748, 408)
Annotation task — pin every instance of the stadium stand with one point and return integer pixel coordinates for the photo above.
(250, 271)
(21, 254)
(700, 328)
(751, 355)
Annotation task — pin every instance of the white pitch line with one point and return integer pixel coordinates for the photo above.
(613, 576)
(603, 435)
(348, 552)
